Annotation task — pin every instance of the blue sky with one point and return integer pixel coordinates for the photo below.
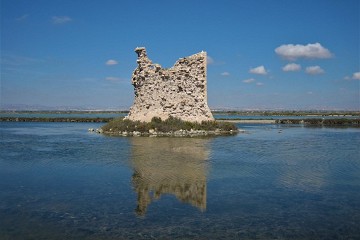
(263, 54)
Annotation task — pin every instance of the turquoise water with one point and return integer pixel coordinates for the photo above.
(59, 181)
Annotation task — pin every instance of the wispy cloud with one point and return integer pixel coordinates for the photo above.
(61, 19)
(16, 60)
(250, 80)
(291, 67)
(356, 76)
(115, 79)
(225, 74)
(209, 60)
(258, 70)
(314, 70)
(111, 62)
(212, 61)
(293, 52)
(23, 17)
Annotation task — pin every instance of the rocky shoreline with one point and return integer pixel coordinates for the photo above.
(178, 133)
(170, 127)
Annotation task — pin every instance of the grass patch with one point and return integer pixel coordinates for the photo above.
(169, 125)
(321, 121)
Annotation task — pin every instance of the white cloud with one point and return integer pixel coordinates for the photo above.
(291, 67)
(250, 80)
(61, 19)
(258, 70)
(111, 62)
(313, 70)
(259, 84)
(356, 76)
(209, 60)
(293, 52)
(225, 74)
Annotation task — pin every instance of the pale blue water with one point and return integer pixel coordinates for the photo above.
(114, 115)
(59, 181)
(62, 115)
(274, 117)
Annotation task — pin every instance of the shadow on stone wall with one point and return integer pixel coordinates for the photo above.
(176, 166)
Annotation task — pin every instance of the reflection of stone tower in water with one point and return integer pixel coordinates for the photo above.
(176, 166)
(180, 91)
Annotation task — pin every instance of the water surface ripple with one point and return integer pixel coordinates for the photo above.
(59, 181)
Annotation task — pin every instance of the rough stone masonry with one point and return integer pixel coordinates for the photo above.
(179, 91)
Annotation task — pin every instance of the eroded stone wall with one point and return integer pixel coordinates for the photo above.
(179, 91)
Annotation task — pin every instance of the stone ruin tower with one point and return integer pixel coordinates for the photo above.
(179, 91)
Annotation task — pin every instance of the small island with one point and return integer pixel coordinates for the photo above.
(170, 127)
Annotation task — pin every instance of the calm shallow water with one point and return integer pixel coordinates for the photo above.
(115, 115)
(58, 181)
(62, 115)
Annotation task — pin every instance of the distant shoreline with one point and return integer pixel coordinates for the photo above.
(256, 121)
(41, 119)
(265, 113)
(104, 120)
(354, 122)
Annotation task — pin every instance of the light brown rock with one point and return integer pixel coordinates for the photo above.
(179, 91)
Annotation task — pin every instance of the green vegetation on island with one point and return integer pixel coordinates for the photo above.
(170, 126)
(322, 121)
